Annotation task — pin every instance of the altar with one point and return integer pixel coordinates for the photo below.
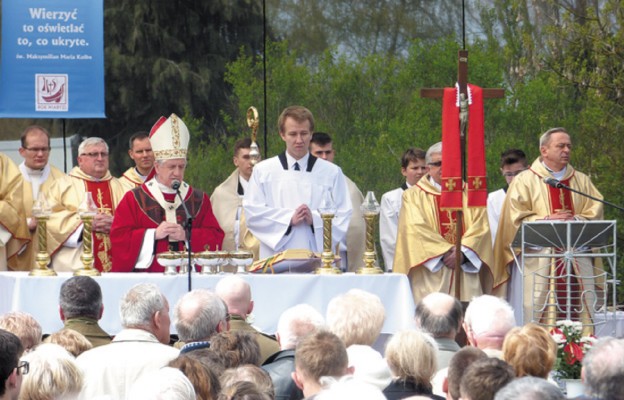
(272, 294)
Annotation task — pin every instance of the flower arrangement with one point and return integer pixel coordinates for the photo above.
(571, 348)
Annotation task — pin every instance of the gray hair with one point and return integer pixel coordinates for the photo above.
(604, 369)
(139, 305)
(529, 388)
(297, 322)
(545, 138)
(356, 317)
(489, 314)
(197, 315)
(92, 141)
(166, 383)
(81, 296)
(434, 149)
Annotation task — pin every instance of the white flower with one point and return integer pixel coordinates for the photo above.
(559, 338)
(566, 323)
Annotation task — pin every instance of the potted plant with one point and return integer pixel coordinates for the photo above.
(571, 348)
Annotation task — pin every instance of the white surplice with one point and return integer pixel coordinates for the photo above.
(276, 190)
(495, 202)
(389, 223)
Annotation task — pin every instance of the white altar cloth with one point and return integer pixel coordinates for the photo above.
(272, 294)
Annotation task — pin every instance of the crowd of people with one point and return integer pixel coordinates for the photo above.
(217, 354)
(267, 209)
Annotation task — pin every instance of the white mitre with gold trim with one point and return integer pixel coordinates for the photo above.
(169, 138)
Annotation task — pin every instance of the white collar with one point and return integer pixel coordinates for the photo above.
(435, 184)
(303, 161)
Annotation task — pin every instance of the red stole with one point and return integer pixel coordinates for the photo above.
(102, 196)
(560, 199)
(451, 149)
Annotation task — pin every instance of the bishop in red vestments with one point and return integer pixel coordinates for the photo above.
(149, 220)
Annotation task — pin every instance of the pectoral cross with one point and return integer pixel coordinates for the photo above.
(438, 93)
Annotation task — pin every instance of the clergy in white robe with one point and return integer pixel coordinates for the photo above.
(285, 192)
(353, 245)
(413, 167)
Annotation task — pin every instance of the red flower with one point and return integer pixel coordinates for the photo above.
(573, 352)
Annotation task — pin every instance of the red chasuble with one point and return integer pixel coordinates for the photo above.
(101, 194)
(139, 211)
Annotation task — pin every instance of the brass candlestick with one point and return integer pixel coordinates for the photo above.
(253, 121)
(370, 208)
(41, 211)
(327, 211)
(87, 211)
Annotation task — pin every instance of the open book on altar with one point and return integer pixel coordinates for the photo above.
(288, 261)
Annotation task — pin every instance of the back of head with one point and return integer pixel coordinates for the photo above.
(530, 388)
(53, 374)
(530, 350)
(603, 368)
(236, 293)
(24, 326)
(204, 380)
(243, 390)
(295, 323)
(490, 318)
(484, 378)
(357, 317)
(439, 314)
(72, 341)
(11, 350)
(81, 296)
(349, 388)
(321, 354)
(208, 358)
(249, 373)
(459, 364)
(236, 348)
(164, 384)
(197, 315)
(412, 356)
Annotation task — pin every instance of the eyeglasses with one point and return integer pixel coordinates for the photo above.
(435, 164)
(24, 366)
(38, 149)
(102, 154)
(511, 174)
(228, 317)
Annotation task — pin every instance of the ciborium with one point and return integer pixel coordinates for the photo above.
(327, 209)
(370, 209)
(171, 260)
(242, 259)
(87, 211)
(210, 261)
(41, 211)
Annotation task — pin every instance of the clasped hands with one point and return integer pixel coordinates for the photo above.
(174, 231)
(564, 215)
(102, 223)
(302, 215)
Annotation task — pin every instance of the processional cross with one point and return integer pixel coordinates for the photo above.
(437, 93)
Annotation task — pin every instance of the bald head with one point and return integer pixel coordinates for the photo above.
(236, 293)
(439, 314)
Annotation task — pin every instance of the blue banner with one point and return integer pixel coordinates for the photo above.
(52, 59)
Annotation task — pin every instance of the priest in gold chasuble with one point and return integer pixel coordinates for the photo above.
(65, 197)
(14, 233)
(425, 247)
(530, 199)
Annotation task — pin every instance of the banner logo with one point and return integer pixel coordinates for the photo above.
(51, 92)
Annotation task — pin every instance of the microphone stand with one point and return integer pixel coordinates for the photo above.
(188, 227)
(564, 186)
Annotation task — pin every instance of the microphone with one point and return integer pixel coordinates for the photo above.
(553, 182)
(175, 185)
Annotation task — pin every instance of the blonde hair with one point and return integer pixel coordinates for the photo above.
(72, 341)
(356, 317)
(24, 326)
(53, 374)
(530, 350)
(412, 355)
